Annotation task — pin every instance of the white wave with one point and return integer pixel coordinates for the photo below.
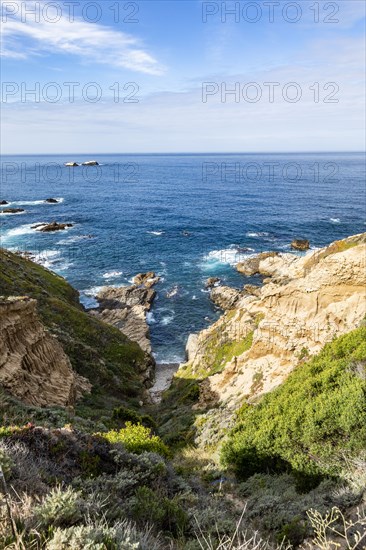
(335, 220)
(168, 360)
(89, 302)
(75, 239)
(150, 319)
(230, 256)
(93, 291)
(257, 234)
(25, 229)
(32, 203)
(194, 297)
(166, 320)
(155, 232)
(46, 258)
(112, 274)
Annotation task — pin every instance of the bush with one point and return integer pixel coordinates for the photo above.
(62, 507)
(137, 439)
(308, 423)
(124, 414)
(101, 536)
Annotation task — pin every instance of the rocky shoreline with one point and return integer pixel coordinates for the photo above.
(126, 308)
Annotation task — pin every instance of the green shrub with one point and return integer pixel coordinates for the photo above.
(162, 512)
(124, 414)
(101, 536)
(62, 507)
(6, 462)
(137, 439)
(310, 421)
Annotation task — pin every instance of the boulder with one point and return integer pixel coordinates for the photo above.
(300, 244)
(251, 266)
(147, 280)
(51, 201)
(13, 210)
(211, 282)
(253, 290)
(90, 163)
(225, 296)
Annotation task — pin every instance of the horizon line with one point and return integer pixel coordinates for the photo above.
(188, 153)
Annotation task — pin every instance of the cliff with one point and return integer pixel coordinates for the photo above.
(33, 364)
(306, 302)
(51, 347)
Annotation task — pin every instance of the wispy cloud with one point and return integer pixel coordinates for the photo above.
(89, 41)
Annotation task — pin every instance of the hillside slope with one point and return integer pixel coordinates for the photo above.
(115, 366)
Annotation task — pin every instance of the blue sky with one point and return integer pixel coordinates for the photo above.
(169, 51)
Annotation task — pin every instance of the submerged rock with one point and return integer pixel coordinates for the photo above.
(172, 292)
(51, 201)
(300, 244)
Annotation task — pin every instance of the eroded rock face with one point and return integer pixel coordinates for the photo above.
(33, 365)
(126, 309)
(308, 301)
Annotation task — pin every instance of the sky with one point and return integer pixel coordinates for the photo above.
(171, 76)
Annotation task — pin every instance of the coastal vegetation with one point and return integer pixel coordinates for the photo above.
(115, 471)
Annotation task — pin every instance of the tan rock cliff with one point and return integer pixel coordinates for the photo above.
(33, 365)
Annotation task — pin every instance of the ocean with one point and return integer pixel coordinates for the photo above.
(186, 217)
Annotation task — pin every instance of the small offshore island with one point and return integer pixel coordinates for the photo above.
(267, 414)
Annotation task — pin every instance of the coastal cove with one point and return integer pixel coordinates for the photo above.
(185, 217)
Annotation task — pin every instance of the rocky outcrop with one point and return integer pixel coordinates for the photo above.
(3, 202)
(33, 365)
(147, 280)
(211, 282)
(71, 164)
(90, 163)
(126, 309)
(49, 227)
(251, 265)
(225, 296)
(300, 244)
(51, 201)
(308, 301)
(13, 210)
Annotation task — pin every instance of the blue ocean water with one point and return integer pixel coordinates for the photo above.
(186, 217)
